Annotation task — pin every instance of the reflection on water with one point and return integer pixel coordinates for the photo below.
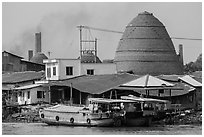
(44, 129)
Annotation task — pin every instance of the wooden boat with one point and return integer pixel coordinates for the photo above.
(73, 116)
(100, 112)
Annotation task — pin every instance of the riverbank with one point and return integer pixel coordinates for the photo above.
(44, 129)
(23, 114)
(182, 118)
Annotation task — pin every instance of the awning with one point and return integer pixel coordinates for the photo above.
(105, 100)
(28, 86)
(148, 88)
(140, 99)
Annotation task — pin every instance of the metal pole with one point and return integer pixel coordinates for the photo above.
(79, 97)
(115, 94)
(95, 49)
(49, 91)
(71, 93)
(111, 94)
(80, 38)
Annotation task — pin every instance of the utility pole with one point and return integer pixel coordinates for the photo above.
(80, 37)
(95, 49)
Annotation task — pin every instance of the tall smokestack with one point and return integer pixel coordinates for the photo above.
(37, 42)
(30, 54)
(181, 53)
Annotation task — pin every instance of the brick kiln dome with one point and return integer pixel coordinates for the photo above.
(146, 48)
(38, 58)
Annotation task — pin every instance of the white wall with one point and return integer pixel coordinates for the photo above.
(61, 65)
(75, 63)
(33, 96)
(78, 68)
(99, 68)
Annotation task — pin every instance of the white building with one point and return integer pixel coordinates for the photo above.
(31, 94)
(57, 69)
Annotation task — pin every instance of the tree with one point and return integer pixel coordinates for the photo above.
(194, 66)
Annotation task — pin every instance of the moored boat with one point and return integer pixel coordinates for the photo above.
(128, 111)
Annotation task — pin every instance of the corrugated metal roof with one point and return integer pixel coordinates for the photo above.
(12, 54)
(17, 77)
(96, 84)
(147, 81)
(28, 86)
(190, 81)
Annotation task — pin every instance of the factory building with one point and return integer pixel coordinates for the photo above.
(15, 63)
(146, 48)
(58, 69)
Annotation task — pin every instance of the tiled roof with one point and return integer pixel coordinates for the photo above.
(17, 77)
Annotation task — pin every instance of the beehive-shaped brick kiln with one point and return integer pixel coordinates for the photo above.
(146, 48)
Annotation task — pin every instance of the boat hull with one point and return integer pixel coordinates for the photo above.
(143, 121)
(76, 117)
(100, 123)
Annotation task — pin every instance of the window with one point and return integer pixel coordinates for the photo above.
(40, 94)
(28, 94)
(90, 72)
(69, 70)
(48, 72)
(54, 71)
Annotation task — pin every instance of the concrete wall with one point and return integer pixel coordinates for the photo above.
(75, 63)
(61, 65)
(78, 68)
(33, 96)
(99, 68)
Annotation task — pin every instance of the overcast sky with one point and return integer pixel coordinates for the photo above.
(58, 21)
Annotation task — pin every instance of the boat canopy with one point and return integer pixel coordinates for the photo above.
(141, 99)
(108, 101)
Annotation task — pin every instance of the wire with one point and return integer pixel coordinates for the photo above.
(113, 31)
(185, 38)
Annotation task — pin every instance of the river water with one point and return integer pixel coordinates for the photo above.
(44, 129)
